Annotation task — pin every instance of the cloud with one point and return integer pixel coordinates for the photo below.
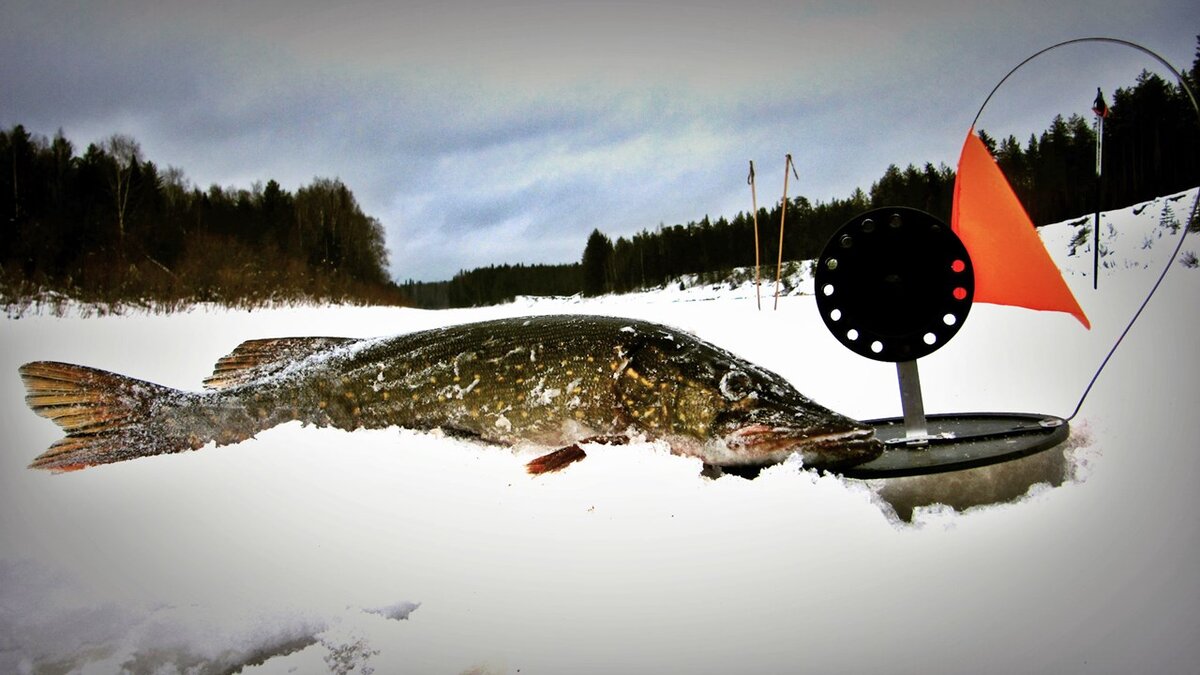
(535, 197)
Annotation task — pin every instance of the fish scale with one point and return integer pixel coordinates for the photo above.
(495, 380)
(555, 381)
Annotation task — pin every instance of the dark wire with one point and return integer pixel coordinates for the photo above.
(1096, 235)
(1142, 307)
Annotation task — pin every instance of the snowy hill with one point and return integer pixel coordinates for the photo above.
(1137, 237)
(313, 550)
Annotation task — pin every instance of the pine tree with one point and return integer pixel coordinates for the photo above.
(597, 260)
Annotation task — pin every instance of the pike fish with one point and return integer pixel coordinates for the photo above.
(558, 382)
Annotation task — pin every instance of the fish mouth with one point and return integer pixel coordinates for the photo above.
(820, 448)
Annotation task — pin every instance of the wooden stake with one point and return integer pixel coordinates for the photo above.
(782, 217)
(754, 205)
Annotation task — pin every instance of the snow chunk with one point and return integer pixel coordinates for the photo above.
(397, 611)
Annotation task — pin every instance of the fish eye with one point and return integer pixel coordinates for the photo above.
(736, 385)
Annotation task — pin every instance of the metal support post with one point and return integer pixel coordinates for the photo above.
(910, 399)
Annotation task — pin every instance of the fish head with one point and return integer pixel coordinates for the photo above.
(735, 413)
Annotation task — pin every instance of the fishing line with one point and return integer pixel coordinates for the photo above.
(1096, 236)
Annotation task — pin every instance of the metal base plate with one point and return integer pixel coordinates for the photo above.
(960, 441)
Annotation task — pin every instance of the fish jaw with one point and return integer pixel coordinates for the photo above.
(831, 448)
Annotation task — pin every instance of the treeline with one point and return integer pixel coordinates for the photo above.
(652, 258)
(494, 285)
(111, 226)
(1151, 148)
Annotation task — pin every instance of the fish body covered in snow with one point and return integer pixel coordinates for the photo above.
(554, 381)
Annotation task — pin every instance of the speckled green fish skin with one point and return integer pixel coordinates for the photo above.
(549, 381)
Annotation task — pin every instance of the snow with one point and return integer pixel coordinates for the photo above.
(315, 550)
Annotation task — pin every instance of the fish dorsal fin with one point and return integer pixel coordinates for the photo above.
(258, 358)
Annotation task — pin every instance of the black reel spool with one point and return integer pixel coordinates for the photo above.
(895, 284)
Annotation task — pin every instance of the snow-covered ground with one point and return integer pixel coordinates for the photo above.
(313, 550)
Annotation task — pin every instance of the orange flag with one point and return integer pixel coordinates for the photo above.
(1012, 266)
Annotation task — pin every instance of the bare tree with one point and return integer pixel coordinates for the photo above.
(175, 186)
(125, 153)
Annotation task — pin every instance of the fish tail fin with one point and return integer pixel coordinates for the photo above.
(107, 417)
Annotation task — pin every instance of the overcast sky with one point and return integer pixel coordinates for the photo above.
(487, 132)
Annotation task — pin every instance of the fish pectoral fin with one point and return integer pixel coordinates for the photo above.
(564, 457)
(557, 460)
(257, 358)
